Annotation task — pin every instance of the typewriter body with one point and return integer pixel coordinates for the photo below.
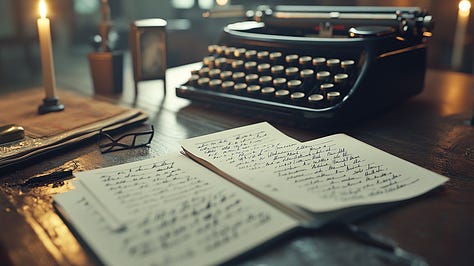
(313, 65)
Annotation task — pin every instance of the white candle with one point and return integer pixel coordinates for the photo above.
(460, 33)
(44, 33)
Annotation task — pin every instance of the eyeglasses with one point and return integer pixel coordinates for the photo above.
(107, 143)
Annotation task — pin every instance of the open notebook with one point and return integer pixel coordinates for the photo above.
(234, 191)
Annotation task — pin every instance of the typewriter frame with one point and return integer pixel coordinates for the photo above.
(382, 58)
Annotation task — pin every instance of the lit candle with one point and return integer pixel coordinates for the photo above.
(44, 33)
(460, 33)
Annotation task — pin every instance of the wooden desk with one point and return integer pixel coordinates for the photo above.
(431, 130)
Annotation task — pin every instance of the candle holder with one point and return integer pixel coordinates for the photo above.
(50, 105)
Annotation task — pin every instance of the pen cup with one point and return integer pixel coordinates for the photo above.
(107, 72)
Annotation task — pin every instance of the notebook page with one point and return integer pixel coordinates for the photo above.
(322, 175)
(192, 217)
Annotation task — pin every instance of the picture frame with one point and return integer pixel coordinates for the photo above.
(148, 45)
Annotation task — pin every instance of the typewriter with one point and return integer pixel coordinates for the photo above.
(315, 65)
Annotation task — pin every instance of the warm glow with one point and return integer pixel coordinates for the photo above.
(464, 7)
(42, 8)
(222, 2)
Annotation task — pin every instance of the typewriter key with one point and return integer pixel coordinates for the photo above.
(279, 83)
(214, 73)
(333, 96)
(251, 55)
(297, 96)
(221, 63)
(193, 80)
(240, 87)
(239, 53)
(203, 82)
(316, 100)
(220, 50)
(226, 75)
(348, 66)
(265, 81)
(282, 94)
(326, 87)
(278, 71)
(292, 73)
(238, 77)
(291, 60)
(294, 85)
(227, 85)
(305, 61)
(204, 72)
(319, 63)
(215, 84)
(208, 61)
(323, 76)
(266, 91)
(251, 79)
(264, 69)
(253, 88)
(238, 65)
(250, 67)
(229, 52)
(263, 56)
(276, 58)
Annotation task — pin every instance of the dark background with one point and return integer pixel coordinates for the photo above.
(74, 22)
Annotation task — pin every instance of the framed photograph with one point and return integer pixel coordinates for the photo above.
(148, 49)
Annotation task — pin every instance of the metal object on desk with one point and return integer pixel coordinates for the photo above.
(147, 42)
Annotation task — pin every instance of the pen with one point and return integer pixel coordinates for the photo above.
(48, 178)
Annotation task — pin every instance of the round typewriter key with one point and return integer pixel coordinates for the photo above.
(253, 88)
(251, 67)
(325, 87)
(229, 52)
(264, 69)
(341, 78)
(297, 96)
(276, 58)
(265, 81)
(279, 83)
(212, 49)
(263, 56)
(307, 75)
(193, 79)
(348, 66)
(240, 87)
(294, 84)
(238, 77)
(220, 50)
(282, 93)
(226, 75)
(238, 65)
(323, 75)
(291, 60)
(204, 72)
(316, 100)
(208, 61)
(278, 71)
(203, 82)
(227, 85)
(214, 73)
(333, 62)
(251, 55)
(292, 72)
(240, 53)
(251, 79)
(305, 61)
(267, 90)
(319, 62)
(221, 62)
(215, 84)
(333, 96)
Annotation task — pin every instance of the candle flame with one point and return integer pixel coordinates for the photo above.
(464, 7)
(42, 9)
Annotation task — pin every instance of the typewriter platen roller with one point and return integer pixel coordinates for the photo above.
(315, 65)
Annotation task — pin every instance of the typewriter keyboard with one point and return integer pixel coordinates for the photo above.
(309, 81)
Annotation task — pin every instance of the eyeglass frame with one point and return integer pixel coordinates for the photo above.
(115, 142)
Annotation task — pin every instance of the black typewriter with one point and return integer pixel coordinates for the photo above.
(315, 65)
